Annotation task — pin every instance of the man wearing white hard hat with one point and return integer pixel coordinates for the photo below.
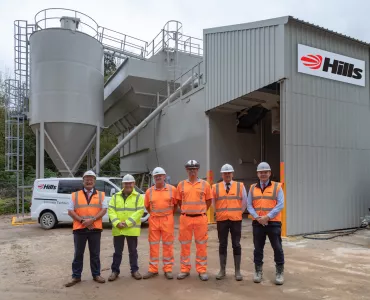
(125, 211)
(265, 202)
(87, 207)
(160, 202)
(230, 201)
(194, 195)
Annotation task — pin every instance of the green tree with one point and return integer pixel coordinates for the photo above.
(109, 65)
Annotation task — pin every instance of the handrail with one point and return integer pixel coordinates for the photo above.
(170, 36)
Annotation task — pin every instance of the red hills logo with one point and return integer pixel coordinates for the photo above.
(330, 65)
(312, 61)
(46, 187)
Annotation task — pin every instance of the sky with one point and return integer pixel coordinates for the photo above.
(144, 19)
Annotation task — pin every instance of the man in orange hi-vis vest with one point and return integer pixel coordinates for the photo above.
(194, 197)
(230, 201)
(160, 202)
(265, 202)
(87, 207)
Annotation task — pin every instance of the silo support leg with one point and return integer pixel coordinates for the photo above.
(57, 151)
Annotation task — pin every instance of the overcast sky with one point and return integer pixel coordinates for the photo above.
(144, 18)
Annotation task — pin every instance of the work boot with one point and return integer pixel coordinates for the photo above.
(237, 260)
(168, 275)
(183, 275)
(279, 280)
(203, 276)
(99, 279)
(136, 275)
(150, 275)
(113, 276)
(73, 282)
(257, 278)
(222, 272)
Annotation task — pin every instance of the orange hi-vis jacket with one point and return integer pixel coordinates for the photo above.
(264, 202)
(228, 205)
(194, 196)
(161, 202)
(88, 211)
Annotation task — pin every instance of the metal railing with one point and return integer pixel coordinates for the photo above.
(50, 18)
(119, 44)
(172, 38)
(198, 70)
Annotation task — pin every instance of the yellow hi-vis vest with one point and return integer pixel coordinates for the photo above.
(129, 211)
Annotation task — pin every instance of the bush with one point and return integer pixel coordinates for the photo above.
(9, 206)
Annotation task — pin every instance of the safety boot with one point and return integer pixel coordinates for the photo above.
(113, 276)
(150, 275)
(222, 272)
(183, 275)
(73, 282)
(257, 278)
(203, 276)
(99, 279)
(279, 280)
(136, 275)
(168, 275)
(237, 260)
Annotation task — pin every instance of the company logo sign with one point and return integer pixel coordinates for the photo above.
(330, 65)
(46, 187)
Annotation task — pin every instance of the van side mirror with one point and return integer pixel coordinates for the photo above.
(112, 191)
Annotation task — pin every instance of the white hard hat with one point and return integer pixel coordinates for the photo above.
(158, 171)
(226, 168)
(263, 166)
(128, 178)
(89, 173)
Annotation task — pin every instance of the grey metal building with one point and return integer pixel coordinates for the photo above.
(305, 109)
(324, 138)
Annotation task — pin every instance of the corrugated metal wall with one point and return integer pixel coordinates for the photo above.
(241, 61)
(327, 139)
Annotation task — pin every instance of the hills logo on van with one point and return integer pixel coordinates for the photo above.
(46, 186)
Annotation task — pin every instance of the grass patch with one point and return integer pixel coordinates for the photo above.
(9, 206)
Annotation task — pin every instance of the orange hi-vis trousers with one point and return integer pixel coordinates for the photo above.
(161, 227)
(199, 227)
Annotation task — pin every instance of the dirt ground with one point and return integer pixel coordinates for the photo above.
(35, 264)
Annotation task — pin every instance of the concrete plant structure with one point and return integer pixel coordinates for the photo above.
(280, 90)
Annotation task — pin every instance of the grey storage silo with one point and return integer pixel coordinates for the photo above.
(66, 94)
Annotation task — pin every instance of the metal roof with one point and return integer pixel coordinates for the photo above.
(275, 22)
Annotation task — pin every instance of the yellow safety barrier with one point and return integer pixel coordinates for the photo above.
(21, 222)
(283, 212)
(211, 210)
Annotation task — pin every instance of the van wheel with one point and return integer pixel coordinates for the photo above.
(48, 220)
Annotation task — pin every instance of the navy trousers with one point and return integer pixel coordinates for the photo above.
(273, 232)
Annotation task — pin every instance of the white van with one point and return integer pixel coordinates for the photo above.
(51, 196)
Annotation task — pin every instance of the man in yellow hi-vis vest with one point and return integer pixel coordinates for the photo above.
(125, 211)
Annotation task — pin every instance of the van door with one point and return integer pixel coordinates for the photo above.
(65, 188)
(107, 188)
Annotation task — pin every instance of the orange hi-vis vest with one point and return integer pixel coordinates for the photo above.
(264, 202)
(229, 205)
(161, 201)
(193, 197)
(88, 211)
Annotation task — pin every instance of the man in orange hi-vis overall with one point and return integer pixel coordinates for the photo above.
(160, 202)
(194, 197)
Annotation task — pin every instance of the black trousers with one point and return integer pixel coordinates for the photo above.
(273, 231)
(119, 242)
(235, 228)
(80, 239)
